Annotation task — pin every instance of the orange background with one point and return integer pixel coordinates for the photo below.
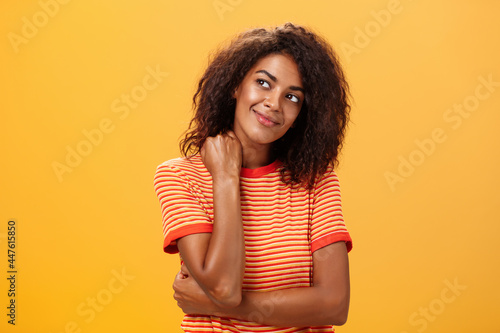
(419, 177)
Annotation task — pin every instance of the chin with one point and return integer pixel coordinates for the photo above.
(263, 139)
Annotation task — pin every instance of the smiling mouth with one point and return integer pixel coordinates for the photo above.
(264, 120)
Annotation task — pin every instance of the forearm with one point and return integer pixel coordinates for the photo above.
(326, 302)
(311, 306)
(216, 260)
(224, 263)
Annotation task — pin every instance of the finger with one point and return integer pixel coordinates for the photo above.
(184, 270)
(233, 136)
(178, 277)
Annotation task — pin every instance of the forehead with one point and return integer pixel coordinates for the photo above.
(282, 66)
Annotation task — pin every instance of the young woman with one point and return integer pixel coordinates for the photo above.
(254, 205)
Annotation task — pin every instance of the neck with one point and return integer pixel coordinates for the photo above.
(256, 157)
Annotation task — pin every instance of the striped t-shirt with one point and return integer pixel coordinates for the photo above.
(283, 226)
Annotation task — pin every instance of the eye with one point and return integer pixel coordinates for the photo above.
(263, 83)
(293, 98)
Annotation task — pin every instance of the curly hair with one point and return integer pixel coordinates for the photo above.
(314, 143)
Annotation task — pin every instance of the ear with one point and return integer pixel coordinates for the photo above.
(235, 93)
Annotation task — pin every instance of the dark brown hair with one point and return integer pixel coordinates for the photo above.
(307, 149)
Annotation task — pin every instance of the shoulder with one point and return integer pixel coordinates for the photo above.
(326, 176)
(187, 168)
(327, 181)
(182, 165)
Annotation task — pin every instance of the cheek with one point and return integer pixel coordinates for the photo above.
(250, 95)
(293, 115)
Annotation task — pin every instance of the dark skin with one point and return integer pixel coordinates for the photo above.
(217, 270)
(326, 302)
(210, 281)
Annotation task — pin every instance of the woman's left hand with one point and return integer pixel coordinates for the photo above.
(189, 295)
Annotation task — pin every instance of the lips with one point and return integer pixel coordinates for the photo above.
(265, 120)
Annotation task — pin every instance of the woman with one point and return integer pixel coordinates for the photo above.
(254, 207)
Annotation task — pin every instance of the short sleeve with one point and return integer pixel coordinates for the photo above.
(327, 220)
(182, 213)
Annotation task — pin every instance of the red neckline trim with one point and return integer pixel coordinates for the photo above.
(259, 172)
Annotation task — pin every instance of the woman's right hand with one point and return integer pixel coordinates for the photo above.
(222, 155)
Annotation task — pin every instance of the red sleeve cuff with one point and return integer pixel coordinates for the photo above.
(170, 242)
(332, 238)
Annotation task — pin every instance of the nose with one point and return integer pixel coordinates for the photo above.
(272, 101)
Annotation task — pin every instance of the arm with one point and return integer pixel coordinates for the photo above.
(217, 260)
(326, 302)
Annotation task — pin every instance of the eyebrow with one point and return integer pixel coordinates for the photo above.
(272, 77)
